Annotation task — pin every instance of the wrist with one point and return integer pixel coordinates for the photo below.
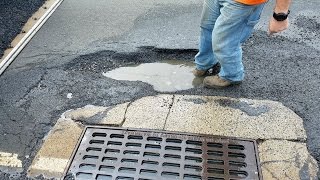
(282, 6)
(281, 10)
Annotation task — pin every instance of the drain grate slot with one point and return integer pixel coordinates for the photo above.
(115, 153)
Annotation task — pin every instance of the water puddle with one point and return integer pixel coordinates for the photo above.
(165, 76)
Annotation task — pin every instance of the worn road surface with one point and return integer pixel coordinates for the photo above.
(13, 15)
(83, 39)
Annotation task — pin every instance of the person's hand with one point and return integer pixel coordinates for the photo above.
(277, 26)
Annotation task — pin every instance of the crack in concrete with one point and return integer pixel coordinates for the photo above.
(170, 107)
(125, 114)
(286, 175)
(272, 174)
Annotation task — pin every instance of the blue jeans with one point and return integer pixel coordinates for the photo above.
(225, 25)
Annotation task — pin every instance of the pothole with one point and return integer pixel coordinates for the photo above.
(164, 76)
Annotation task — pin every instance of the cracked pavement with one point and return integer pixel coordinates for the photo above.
(67, 56)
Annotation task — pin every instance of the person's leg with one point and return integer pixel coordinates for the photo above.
(233, 27)
(205, 59)
(253, 19)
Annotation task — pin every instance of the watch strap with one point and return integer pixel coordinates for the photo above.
(281, 16)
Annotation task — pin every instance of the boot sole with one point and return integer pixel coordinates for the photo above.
(221, 87)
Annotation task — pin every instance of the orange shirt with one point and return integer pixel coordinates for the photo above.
(251, 2)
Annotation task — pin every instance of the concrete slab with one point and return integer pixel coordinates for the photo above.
(112, 116)
(287, 160)
(53, 157)
(84, 113)
(148, 112)
(116, 115)
(256, 119)
(282, 155)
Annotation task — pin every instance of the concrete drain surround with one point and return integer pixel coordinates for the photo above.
(115, 153)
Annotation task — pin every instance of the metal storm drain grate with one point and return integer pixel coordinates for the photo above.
(124, 154)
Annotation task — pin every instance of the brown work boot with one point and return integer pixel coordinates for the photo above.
(217, 82)
(209, 72)
(198, 73)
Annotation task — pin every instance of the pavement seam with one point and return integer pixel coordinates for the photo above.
(170, 107)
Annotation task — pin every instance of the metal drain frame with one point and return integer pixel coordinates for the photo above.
(173, 134)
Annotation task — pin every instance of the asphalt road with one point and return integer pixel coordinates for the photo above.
(83, 39)
(13, 15)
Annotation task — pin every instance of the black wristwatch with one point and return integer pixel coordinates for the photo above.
(280, 16)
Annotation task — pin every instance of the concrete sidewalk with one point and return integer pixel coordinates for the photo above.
(279, 131)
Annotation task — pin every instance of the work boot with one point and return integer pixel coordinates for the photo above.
(209, 72)
(217, 82)
(199, 73)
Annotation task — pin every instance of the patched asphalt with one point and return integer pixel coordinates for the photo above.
(67, 57)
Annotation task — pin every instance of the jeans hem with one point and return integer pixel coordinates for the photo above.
(205, 69)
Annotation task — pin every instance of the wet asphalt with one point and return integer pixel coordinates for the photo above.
(13, 15)
(73, 49)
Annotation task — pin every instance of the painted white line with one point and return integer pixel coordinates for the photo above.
(10, 160)
(53, 165)
(25, 40)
